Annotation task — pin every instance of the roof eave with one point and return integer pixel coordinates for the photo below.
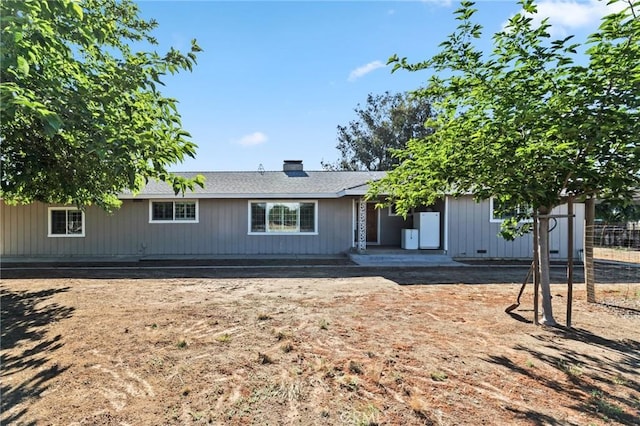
(353, 192)
(282, 195)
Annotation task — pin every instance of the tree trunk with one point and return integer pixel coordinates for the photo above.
(569, 259)
(543, 256)
(536, 270)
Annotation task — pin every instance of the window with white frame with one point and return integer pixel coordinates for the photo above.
(283, 217)
(170, 211)
(393, 210)
(500, 211)
(66, 222)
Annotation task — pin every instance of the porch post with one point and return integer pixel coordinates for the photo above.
(362, 225)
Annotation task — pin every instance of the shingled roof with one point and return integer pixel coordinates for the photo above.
(270, 184)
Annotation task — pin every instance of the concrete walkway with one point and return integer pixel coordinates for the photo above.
(376, 257)
(395, 259)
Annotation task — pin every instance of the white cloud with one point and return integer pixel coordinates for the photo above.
(365, 69)
(442, 3)
(252, 139)
(565, 16)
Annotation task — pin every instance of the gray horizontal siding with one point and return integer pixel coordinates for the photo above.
(222, 230)
(471, 231)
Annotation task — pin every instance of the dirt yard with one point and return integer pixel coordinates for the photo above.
(313, 348)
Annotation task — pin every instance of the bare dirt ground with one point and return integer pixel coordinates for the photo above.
(613, 254)
(313, 346)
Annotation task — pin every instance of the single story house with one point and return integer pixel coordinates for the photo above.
(286, 212)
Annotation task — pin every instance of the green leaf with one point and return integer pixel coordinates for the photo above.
(52, 122)
(77, 9)
(91, 123)
(23, 66)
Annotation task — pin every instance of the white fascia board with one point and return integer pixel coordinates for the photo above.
(192, 195)
(359, 192)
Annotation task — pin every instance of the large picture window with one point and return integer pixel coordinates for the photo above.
(282, 217)
(66, 222)
(173, 211)
(500, 211)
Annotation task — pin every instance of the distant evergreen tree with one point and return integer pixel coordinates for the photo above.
(385, 123)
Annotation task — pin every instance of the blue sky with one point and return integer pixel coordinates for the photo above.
(276, 78)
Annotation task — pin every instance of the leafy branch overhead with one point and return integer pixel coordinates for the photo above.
(83, 118)
(527, 122)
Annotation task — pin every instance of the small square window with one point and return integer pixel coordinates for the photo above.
(173, 211)
(66, 222)
(500, 211)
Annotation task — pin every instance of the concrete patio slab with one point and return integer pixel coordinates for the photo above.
(397, 259)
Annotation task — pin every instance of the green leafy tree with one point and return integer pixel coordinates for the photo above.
(82, 115)
(385, 123)
(616, 212)
(526, 122)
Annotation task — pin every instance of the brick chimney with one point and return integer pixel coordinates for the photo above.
(292, 166)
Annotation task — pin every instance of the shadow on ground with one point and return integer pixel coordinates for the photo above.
(589, 376)
(25, 317)
(330, 268)
(617, 272)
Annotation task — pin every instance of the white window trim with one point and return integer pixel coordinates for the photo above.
(492, 219)
(393, 213)
(174, 201)
(52, 235)
(315, 218)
